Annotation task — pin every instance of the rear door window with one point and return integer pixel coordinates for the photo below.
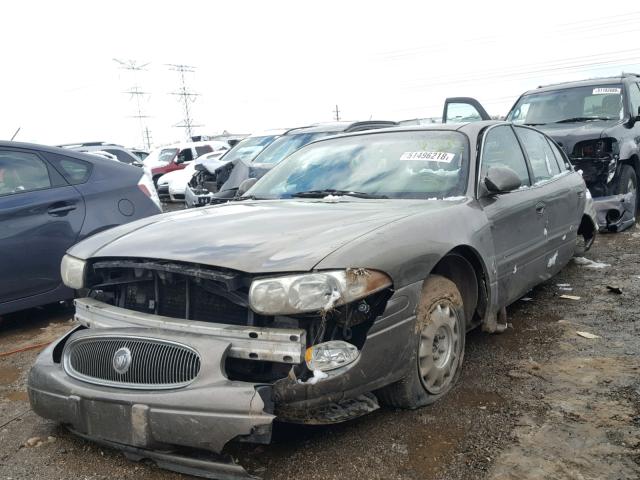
(73, 170)
(563, 163)
(541, 157)
(22, 172)
(501, 149)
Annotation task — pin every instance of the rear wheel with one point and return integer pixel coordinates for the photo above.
(628, 183)
(438, 347)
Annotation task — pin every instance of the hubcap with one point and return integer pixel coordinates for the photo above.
(438, 351)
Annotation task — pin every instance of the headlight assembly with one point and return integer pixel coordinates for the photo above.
(316, 291)
(72, 272)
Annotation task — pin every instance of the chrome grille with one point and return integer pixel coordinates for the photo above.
(154, 363)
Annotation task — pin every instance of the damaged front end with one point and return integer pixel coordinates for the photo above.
(169, 355)
(599, 161)
(205, 185)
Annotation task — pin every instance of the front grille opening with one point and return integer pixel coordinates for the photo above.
(171, 293)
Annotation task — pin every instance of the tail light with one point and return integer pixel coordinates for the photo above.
(145, 184)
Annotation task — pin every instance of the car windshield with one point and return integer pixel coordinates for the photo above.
(287, 144)
(161, 155)
(578, 104)
(419, 164)
(248, 148)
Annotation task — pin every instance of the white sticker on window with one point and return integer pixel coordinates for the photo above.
(605, 91)
(443, 157)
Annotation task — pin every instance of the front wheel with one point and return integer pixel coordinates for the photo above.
(438, 347)
(628, 183)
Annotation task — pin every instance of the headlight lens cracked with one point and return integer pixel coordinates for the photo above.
(314, 291)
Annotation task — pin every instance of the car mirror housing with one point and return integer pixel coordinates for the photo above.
(501, 180)
(246, 185)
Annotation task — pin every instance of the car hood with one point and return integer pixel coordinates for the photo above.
(211, 164)
(253, 236)
(568, 134)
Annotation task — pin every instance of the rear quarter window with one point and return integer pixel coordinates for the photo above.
(73, 170)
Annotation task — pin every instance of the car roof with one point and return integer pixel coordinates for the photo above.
(87, 157)
(583, 83)
(469, 128)
(269, 133)
(339, 127)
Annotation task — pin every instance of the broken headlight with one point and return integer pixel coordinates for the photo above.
(72, 272)
(601, 148)
(330, 355)
(316, 291)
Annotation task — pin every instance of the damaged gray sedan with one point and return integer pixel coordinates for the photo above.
(347, 276)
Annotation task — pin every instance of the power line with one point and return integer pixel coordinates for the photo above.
(136, 93)
(186, 97)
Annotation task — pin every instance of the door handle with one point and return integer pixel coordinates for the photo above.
(580, 193)
(61, 210)
(540, 208)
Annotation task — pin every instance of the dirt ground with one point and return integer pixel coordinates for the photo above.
(536, 402)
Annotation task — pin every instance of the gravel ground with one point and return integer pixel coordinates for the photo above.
(538, 401)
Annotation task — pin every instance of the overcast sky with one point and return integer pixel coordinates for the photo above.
(269, 64)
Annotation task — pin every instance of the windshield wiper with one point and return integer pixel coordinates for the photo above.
(246, 197)
(582, 119)
(331, 191)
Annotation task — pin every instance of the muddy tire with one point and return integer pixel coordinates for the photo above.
(438, 348)
(628, 182)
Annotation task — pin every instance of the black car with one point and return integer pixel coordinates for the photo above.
(596, 122)
(225, 180)
(51, 198)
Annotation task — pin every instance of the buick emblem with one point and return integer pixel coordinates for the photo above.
(122, 360)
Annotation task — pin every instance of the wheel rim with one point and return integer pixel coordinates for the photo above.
(438, 351)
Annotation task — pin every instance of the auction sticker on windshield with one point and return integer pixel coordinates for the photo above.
(605, 91)
(443, 157)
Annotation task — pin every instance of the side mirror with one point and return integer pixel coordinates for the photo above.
(179, 159)
(501, 180)
(246, 185)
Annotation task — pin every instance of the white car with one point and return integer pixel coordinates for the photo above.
(171, 186)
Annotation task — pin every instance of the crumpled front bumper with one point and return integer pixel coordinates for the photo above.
(193, 199)
(207, 414)
(615, 213)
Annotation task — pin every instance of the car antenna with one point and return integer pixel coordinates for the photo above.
(14, 135)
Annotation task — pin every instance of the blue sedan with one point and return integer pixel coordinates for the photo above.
(50, 199)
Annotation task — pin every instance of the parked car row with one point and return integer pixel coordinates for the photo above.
(336, 267)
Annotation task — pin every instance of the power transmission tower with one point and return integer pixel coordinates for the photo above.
(337, 112)
(136, 93)
(186, 97)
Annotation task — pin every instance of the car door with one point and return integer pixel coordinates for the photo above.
(561, 195)
(40, 218)
(515, 218)
(463, 110)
